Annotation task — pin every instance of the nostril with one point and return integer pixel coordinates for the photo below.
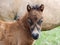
(35, 36)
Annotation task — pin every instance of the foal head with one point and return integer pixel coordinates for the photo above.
(34, 19)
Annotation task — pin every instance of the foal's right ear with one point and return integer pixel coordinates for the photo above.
(28, 8)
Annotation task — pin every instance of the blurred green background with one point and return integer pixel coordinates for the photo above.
(51, 37)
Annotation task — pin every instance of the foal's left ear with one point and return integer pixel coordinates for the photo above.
(41, 8)
(28, 8)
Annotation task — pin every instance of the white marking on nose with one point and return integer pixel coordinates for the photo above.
(35, 31)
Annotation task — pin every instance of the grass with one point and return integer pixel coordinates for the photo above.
(51, 37)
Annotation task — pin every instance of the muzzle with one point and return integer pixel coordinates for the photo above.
(35, 32)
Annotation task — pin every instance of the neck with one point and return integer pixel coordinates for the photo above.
(26, 27)
(24, 21)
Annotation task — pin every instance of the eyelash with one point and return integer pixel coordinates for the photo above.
(39, 22)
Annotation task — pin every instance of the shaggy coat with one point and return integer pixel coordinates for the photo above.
(15, 33)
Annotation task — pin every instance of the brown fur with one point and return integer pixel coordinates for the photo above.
(14, 33)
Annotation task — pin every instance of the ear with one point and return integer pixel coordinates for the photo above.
(28, 8)
(41, 8)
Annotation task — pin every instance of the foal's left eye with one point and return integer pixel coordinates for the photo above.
(39, 22)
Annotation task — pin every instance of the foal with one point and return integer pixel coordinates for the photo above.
(24, 31)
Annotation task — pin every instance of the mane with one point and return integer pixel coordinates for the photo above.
(35, 7)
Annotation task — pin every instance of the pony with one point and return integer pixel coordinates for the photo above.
(23, 31)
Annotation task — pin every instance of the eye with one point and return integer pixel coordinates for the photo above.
(39, 22)
(30, 22)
